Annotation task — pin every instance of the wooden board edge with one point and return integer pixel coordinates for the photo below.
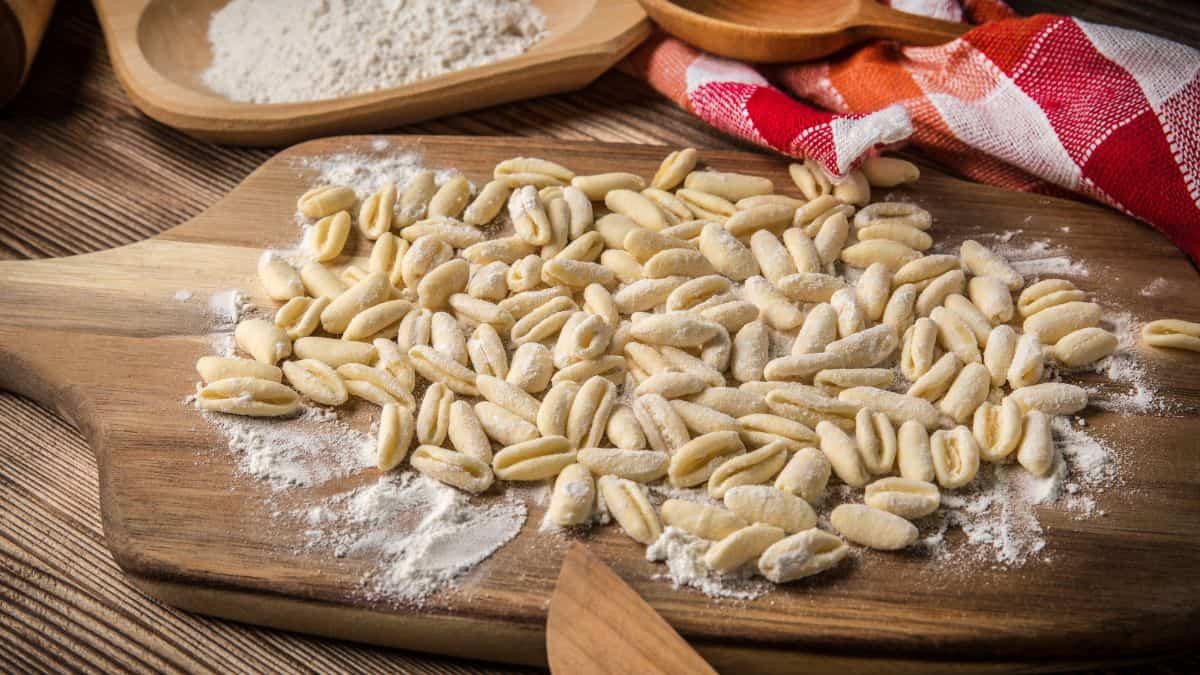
(525, 645)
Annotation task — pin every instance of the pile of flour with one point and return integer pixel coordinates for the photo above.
(289, 51)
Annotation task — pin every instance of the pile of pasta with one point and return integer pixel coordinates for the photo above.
(703, 330)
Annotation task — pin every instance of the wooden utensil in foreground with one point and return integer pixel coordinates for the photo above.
(598, 624)
(792, 30)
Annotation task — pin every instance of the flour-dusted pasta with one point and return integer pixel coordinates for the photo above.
(320, 281)
(535, 459)
(850, 316)
(328, 236)
(610, 366)
(872, 527)
(766, 218)
(1028, 363)
(525, 274)
(992, 297)
(905, 234)
(629, 505)
(889, 172)
(955, 456)
(834, 380)
(316, 381)
(664, 429)
(1046, 294)
(801, 555)
(810, 286)
(446, 338)
(970, 315)
(466, 433)
(818, 330)
(580, 208)
(1054, 323)
(299, 317)
(576, 274)
(954, 335)
(999, 353)
(573, 498)
(450, 199)
(437, 367)
(387, 256)
(903, 497)
(674, 169)
(1084, 346)
(394, 436)
(939, 289)
(981, 261)
(810, 407)
(866, 348)
(644, 244)
(751, 468)
(696, 460)
(504, 249)
(278, 278)
(598, 185)
(544, 321)
(732, 402)
(452, 468)
(671, 385)
(997, 429)
(531, 369)
(811, 217)
(811, 179)
(1036, 451)
(376, 213)
(890, 254)
(830, 239)
(372, 290)
(898, 407)
(433, 417)
(640, 466)
(1052, 398)
(672, 207)
(876, 440)
(334, 352)
(442, 282)
(701, 419)
(704, 521)
(774, 307)
(637, 207)
(375, 385)
(726, 254)
(742, 546)
(914, 458)
(414, 202)
(263, 340)
(768, 505)
(805, 257)
(326, 200)
(376, 319)
(730, 186)
(684, 262)
(969, 390)
(843, 455)
(1172, 334)
(751, 351)
(248, 396)
(422, 257)
(676, 329)
(900, 311)
(623, 429)
(806, 475)
(488, 203)
(933, 384)
(588, 415)
(583, 337)
(213, 368)
(352, 274)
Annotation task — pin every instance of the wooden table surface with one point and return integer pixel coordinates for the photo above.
(82, 170)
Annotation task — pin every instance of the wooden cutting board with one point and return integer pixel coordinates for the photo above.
(160, 48)
(101, 339)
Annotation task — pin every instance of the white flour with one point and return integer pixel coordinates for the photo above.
(684, 556)
(423, 533)
(288, 51)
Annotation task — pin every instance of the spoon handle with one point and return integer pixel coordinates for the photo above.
(881, 21)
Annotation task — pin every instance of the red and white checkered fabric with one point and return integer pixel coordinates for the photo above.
(1046, 103)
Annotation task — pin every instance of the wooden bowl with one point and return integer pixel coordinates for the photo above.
(160, 48)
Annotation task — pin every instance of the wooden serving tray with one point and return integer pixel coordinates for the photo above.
(160, 48)
(100, 339)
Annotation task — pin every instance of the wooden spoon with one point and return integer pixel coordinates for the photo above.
(792, 30)
(598, 624)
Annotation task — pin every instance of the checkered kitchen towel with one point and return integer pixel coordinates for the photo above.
(1046, 104)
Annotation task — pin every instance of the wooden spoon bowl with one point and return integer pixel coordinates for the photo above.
(792, 30)
(160, 49)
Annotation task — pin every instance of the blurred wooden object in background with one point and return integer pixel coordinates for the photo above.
(22, 23)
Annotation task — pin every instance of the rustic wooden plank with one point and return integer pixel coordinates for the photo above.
(82, 170)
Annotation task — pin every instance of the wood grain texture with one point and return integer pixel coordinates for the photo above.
(100, 338)
(160, 48)
(786, 31)
(597, 624)
(81, 170)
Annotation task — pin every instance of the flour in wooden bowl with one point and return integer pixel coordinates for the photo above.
(292, 51)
